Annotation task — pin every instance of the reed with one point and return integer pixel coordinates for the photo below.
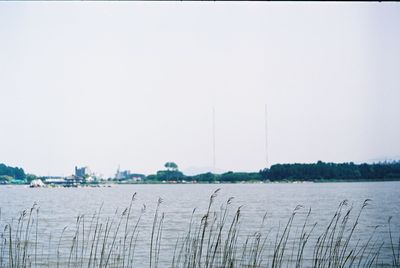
(215, 238)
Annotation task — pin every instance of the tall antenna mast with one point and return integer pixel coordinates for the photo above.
(213, 129)
(266, 136)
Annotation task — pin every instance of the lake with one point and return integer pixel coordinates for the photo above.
(59, 208)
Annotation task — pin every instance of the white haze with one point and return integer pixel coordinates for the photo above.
(103, 84)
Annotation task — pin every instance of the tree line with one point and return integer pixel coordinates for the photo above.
(315, 172)
(322, 171)
(7, 174)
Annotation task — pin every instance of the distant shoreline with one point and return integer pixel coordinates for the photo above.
(319, 172)
(111, 184)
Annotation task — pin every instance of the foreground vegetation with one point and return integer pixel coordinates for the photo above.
(212, 239)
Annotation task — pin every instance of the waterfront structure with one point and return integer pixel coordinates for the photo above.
(54, 180)
(124, 175)
(73, 180)
(82, 172)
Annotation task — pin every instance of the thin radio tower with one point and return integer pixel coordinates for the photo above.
(266, 136)
(213, 136)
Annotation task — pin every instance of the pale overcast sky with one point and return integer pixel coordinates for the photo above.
(133, 84)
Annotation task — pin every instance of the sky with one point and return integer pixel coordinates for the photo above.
(134, 84)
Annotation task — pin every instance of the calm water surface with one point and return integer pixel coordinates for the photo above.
(59, 207)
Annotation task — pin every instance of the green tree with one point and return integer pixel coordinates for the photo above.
(171, 166)
(5, 179)
(205, 177)
(30, 177)
(14, 172)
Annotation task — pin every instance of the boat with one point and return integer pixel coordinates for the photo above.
(38, 183)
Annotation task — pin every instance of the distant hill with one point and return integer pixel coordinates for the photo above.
(383, 160)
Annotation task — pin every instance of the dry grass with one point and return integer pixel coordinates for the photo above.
(212, 240)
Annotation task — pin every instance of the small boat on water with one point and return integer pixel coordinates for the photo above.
(38, 183)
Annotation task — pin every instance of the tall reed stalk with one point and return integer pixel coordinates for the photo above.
(213, 239)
